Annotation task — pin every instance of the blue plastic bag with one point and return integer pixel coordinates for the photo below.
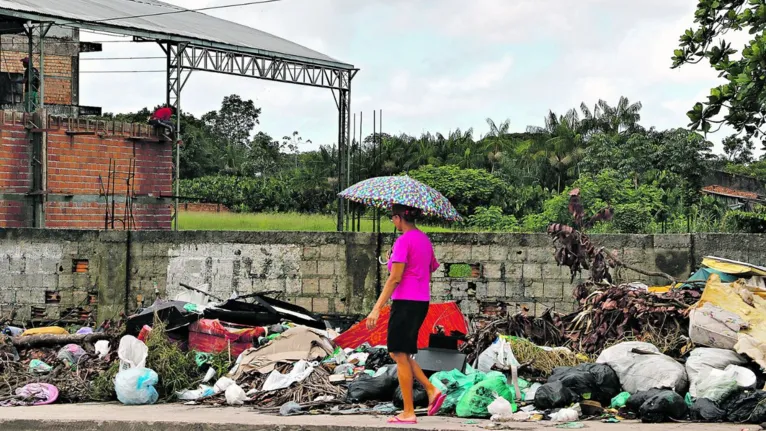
(136, 386)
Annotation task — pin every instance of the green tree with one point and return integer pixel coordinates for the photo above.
(623, 118)
(686, 154)
(233, 125)
(497, 142)
(564, 145)
(741, 98)
(738, 150)
(467, 189)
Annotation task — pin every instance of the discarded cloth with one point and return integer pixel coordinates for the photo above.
(34, 394)
(71, 354)
(295, 344)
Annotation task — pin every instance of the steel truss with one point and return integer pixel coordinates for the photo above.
(183, 58)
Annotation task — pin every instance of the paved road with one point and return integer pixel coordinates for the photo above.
(176, 417)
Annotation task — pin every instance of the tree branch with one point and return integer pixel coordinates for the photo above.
(619, 262)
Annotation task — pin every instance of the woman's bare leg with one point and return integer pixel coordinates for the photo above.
(404, 371)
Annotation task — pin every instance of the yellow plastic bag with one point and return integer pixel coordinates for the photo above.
(48, 330)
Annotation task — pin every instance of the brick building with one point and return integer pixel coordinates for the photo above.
(94, 175)
(62, 47)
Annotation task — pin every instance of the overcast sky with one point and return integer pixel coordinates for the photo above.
(438, 65)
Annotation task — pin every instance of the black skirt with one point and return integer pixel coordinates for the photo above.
(404, 325)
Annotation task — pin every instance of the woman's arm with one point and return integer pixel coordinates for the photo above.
(397, 269)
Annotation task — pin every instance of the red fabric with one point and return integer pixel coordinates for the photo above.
(447, 315)
(163, 114)
(211, 336)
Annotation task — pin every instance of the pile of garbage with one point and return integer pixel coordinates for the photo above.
(693, 351)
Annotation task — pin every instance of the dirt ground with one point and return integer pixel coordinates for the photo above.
(176, 417)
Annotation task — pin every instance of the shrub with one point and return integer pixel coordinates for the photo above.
(491, 219)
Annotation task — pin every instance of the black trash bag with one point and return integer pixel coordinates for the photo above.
(366, 388)
(378, 358)
(419, 396)
(634, 403)
(704, 410)
(662, 407)
(596, 382)
(607, 381)
(746, 407)
(554, 395)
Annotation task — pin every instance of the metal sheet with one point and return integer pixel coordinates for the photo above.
(194, 27)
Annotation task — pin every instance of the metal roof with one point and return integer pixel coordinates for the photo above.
(193, 27)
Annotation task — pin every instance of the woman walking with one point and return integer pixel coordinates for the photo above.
(410, 265)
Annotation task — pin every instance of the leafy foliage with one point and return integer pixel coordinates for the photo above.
(467, 189)
(746, 221)
(741, 99)
(648, 179)
(492, 219)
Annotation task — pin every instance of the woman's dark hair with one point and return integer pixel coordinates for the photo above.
(407, 214)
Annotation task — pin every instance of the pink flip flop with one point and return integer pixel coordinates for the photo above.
(396, 421)
(434, 408)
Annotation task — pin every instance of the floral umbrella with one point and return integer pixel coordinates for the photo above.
(383, 192)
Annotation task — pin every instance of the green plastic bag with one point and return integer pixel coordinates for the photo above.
(688, 400)
(476, 400)
(454, 385)
(619, 401)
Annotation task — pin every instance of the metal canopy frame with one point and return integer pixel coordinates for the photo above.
(187, 54)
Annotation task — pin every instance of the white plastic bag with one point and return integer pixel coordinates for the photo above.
(746, 378)
(209, 375)
(500, 407)
(277, 380)
(102, 348)
(702, 360)
(645, 368)
(717, 385)
(498, 353)
(189, 395)
(132, 353)
(235, 396)
(222, 384)
(565, 415)
(135, 386)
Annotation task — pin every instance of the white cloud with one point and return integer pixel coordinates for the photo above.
(441, 65)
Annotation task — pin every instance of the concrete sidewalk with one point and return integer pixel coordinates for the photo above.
(176, 417)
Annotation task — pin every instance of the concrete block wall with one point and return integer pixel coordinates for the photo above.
(323, 272)
(335, 273)
(40, 282)
(78, 157)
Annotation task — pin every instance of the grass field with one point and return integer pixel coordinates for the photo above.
(275, 222)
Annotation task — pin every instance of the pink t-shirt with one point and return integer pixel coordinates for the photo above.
(415, 251)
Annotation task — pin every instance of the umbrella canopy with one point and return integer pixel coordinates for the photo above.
(383, 192)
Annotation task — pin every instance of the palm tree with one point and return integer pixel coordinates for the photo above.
(620, 119)
(497, 142)
(564, 145)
